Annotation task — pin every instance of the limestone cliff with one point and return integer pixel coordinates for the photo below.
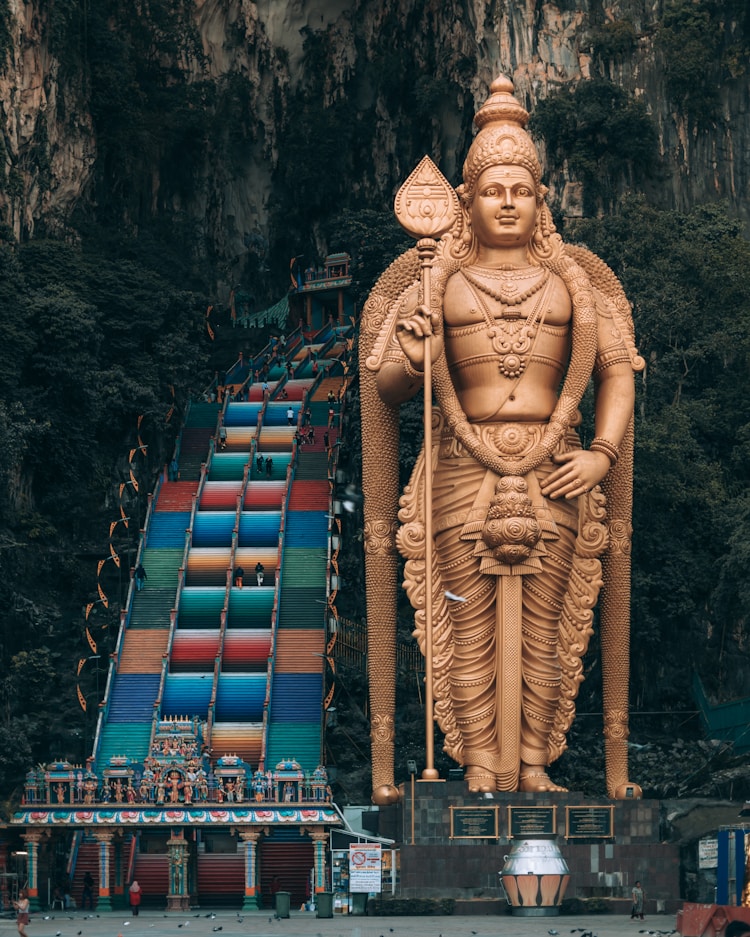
(402, 77)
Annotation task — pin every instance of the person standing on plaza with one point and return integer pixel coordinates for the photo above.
(134, 893)
(87, 897)
(22, 911)
(638, 896)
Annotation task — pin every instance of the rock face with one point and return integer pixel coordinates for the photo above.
(408, 74)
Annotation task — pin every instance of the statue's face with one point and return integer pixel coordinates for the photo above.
(503, 210)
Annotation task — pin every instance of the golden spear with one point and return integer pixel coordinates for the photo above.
(426, 207)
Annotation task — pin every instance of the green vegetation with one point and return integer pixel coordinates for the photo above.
(91, 342)
(606, 138)
(703, 42)
(690, 38)
(616, 40)
(6, 37)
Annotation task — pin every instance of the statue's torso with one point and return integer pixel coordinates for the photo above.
(507, 355)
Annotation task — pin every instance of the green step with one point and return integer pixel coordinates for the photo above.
(298, 740)
(161, 565)
(304, 566)
(131, 739)
(202, 414)
(152, 609)
(302, 607)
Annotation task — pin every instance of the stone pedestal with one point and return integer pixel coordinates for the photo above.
(462, 861)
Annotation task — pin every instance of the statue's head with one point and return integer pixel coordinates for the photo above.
(502, 140)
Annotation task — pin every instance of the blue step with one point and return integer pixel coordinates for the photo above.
(167, 529)
(132, 697)
(296, 697)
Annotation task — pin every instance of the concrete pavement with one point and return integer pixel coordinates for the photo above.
(225, 923)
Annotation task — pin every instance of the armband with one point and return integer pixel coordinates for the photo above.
(412, 371)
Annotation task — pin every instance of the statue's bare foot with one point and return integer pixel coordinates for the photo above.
(479, 780)
(534, 779)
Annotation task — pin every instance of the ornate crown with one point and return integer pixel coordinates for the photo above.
(502, 138)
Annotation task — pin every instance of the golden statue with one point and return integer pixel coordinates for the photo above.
(525, 525)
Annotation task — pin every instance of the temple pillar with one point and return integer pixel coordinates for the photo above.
(252, 900)
(32, 840)
(178, 898)
(104, 838)
(320, 842)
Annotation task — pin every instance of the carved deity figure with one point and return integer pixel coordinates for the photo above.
(523, 517)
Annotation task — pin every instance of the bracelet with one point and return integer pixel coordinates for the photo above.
(411, 370)
(609, 449)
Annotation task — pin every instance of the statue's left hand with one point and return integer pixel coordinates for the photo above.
(577, 472)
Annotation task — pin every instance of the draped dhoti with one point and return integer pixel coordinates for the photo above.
(505, 676)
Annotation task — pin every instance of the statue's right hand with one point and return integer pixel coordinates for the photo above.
(412, 333)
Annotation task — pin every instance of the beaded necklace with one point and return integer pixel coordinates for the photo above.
(510, 295)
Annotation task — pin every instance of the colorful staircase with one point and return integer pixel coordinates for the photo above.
(248, 661)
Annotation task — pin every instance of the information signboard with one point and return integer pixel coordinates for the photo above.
(474, 823)
(531, 821)
(589, 822)
(365, 864)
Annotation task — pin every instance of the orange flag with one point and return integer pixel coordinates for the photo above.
(92, 642)
(102, 596)
(81, 698)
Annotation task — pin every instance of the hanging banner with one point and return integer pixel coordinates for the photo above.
(102, 596)
(92, 642)
(81, 698)
(115, 557)
(365, 865)
(208, 324)
(123, 515)
(132, 454)
(140, 420)
(88, 609)
(122, 488)
(99, 567)
(81, 662)
(133, 481)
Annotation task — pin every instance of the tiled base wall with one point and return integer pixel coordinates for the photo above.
(438, 866)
